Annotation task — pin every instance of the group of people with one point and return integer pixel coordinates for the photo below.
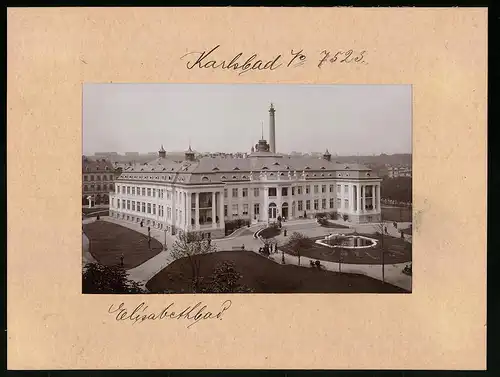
(268, 249)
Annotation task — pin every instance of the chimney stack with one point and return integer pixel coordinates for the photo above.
(272, 130)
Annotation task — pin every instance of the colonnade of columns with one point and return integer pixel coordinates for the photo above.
(216, 214)
(359, 197)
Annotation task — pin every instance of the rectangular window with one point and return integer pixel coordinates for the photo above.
(293, 191)
(154, 209)
(225, 193)
(308, 205)
(244, 192)
(323, 203)
(272, 191)
(299, 190)
(154, 193)
(225, 210)
(256, 192)
(149, 207)
(133, 190)
(331, 203)
(323, 188)
(316, 189)
(235, 193)
(346, 203)
(123, 204)
(284, 191)
(169, 195)
(143, 191)
(143, 207)
(112, 202)
(91, 177)
(169, 213)
(149, 192)
(117, 203)
(346, 189)
(128, 190)
(117, 189)
(316, 204)
(300, 205)
(339, 202)
(235, 210)
(308, 189)
(331, 188)
(245, 209)
(128, 204)
(338, 189)
(133, 205)
(256, 209)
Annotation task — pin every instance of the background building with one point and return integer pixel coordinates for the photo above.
(98, 177)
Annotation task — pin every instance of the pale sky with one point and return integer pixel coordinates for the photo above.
(346, 119)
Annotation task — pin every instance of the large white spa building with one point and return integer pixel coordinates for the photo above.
(202, 194)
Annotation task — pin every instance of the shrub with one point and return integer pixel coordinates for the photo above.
(322, 221)
(320, 215)
(333, 215)
(232, 225)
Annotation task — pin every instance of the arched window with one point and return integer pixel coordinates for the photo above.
(205, 179)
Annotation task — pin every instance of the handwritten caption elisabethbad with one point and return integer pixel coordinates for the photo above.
(210, 59)
(192, 314)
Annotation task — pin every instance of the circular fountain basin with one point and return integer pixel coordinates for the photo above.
(347, 241)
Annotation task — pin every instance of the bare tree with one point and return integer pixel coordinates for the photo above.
(191, 245)
(298, 242)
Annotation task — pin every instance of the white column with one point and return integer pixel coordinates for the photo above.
(188, 211)
(221, 210)
(363, 198)
(197, 212)
(352, 198)
(378, 197)
(214, 223)
(358, 197)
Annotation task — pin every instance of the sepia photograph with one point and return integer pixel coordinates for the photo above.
(260, 188)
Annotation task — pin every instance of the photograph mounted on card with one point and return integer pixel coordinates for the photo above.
(183, 195)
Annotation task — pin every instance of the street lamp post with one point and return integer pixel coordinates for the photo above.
(165, 242)
(149, 238)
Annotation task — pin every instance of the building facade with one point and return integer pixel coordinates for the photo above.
(202, 194)
(98, 178)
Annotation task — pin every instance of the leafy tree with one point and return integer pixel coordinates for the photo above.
(225, 279)
(191, 245)
(98, 278)
(298, 242)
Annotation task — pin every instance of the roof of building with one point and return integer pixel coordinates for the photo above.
(96, 165)
(221, 169)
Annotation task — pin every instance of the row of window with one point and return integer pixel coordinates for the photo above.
(143, 191)
(284, 191)
(144, 207)
(300, 206)
(97, 177)
(98, 187)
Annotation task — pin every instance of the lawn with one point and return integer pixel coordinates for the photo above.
(397, 251)
(109, 241)
(266, 276)
(400, 214)
(270, 232)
